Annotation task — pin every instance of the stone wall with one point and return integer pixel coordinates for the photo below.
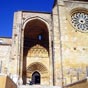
(70, 45)
(5, 49)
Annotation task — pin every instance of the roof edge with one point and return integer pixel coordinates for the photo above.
(55, 1)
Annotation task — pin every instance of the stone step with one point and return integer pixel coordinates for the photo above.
(37, 86)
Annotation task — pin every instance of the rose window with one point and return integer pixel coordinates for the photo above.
(80, 21)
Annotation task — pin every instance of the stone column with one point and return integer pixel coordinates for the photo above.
(21, 55)
(1, 66)
(58, 66)
(51, 57)
(16, 42)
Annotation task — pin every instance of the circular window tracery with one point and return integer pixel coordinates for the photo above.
(80, 21)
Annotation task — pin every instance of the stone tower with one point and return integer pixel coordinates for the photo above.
(70, 40)
(51, 48)
(32, 47)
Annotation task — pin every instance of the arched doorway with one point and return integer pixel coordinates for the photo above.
(40, 70)
(36, 78)
(35, 34)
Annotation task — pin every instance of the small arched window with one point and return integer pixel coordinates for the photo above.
(40, 37)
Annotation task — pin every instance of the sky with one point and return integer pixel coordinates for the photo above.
(8, 7)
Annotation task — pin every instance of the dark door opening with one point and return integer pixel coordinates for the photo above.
(36, 78)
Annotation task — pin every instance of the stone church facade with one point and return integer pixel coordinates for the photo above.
(48, 48)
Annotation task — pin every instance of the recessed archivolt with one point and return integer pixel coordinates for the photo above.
(38, 51)
(33, 28)
(34, 18)
(37, 66)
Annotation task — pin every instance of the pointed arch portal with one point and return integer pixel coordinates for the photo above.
(36, 78)
(36, 34)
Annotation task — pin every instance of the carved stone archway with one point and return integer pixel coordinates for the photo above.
(35, 33)
(41, 69)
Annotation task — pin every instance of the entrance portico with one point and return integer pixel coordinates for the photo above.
(36, 52)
